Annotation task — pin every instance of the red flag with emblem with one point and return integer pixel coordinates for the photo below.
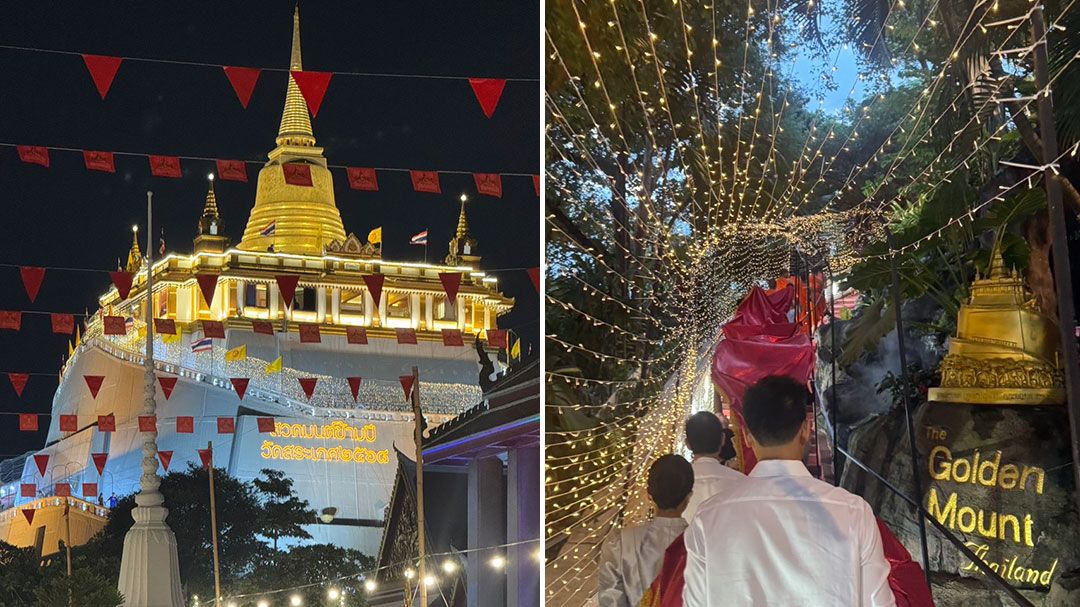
(165, 326)
(308, 384)
(262, 327)
(489, 184)
(99, 161)
(207, 457)
(426, 181)
(374, 283)
(102, 70)
(63, 489)
(312, 86)
(362, 179)
(214, 329)
(18, 382)
(354, 387)
(106, 423)
(27, 490)
(42, 461)
(99, 461)
(406, 385)
(28, 422)
(452, 337)
(406, 336)
(31, 279)
(226, 425)
(114, 325)
(165, 457)
(10, 320)
(356, 335)
(451, 283)
(34, 154)
(240, 384)
(185, 424)
(122, 280)
(243, 81)
(62, 323)
(165, 166)
(309, 333)
(487, 91)
(266, 425)
(147, 423)
(232, 170)
(89, 490)
(167, 385)
(287, 285)
(496, 338)
(94, 383)
(69, 423)
(297, 173)
(208, 287)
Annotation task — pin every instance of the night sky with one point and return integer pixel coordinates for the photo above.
(66, 216)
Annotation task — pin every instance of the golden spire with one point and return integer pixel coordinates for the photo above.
(462, 245)
(134, 260)
(295, 120)
(210, 210)
(462, 222)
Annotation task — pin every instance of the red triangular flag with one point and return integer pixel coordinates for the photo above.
(27, 490)
(114, 325)
(62, 323)
(89, 490)
(489, 184)
(102, 70)
(232, 170)
(34, 154)
(226, 425)
(63, 489)
(165, 457)
(354, 387)
(534, 276)
(406, 385)
(452, 338)
(94, 383)
(536, 184)
(263, 327)
(496, 338)
(240, 384)
(28, 422)
(147, 423)
(374, 284)
(309, 333)
(42, 461)
(165, 166)
(213, 328)
(10, 320)
(451, 283)
(165, 326)
(167, 385)
(356, 335)
(185, 424)
(122, 280)
(405, 336)
(28, 513)
(308, 384)
(106, 423)
(208, 286)
(312, 86)
(487, 91)
(69, 423)
(362, 179)
(297, 173)
(99, 461)
(243, 81)
(426, 181)
(266, 425)
(31, 279)
(99, 161)
(18, 381)
(207, 457)
(287, 285)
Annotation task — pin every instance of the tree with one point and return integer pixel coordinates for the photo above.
(284, 514)
(83, 588)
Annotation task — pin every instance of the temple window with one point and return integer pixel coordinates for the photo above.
(305, 299)
(255, 296)
(444, 309)
(397, 305)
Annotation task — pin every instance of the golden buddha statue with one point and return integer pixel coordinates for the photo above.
(1005, 351)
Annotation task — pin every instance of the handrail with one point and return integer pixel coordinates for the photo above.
(978, 562)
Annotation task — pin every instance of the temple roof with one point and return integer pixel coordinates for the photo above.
(295, 123)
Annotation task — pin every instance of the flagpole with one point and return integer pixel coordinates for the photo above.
(213, 527)
(418, 437)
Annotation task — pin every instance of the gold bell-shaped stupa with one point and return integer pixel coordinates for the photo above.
(294, 218)
(1005, 351)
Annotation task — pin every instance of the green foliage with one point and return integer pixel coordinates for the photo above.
(283, 512)
(84, 588)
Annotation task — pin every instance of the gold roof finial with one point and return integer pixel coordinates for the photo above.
(462, 245)
(210, 211)
(462, 222)
(134, 260)
(295, 120)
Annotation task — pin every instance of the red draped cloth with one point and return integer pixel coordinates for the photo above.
(905, 578)
(759, 342)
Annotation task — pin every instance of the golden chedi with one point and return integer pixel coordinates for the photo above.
(294, 218)
(1005, 351)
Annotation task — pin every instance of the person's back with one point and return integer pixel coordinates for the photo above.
(705, 438)
(631, 560)
(783, 537)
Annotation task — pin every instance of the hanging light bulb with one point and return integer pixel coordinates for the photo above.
(333, 593)
(369, 585)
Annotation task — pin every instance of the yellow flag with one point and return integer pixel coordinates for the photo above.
(515, 352)
(78, 335)
(237, 353)
(170, 339)
(375, 236)
(140, 334)
(71, 350)
(274, 367)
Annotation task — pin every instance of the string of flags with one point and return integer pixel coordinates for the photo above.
(295, 173)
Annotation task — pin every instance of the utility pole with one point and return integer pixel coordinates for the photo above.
(213, 527)
(418, 437)
(1058, 238)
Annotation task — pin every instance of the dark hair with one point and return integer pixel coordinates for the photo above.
(671, 478)
(774, 409)
(728, 450)
(704, 432)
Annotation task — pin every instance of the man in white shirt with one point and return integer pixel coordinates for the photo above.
(705, 437)
(631, 560)
(782, 537)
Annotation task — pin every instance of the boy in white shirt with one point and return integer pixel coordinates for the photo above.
(705, 437)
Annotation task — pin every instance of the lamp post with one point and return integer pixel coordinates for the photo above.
(149, 567)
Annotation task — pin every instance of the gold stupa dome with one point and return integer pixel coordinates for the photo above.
(1005, 351)
(293, 218)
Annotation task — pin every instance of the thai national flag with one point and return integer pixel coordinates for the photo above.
(203, 345)
(420, 238)
(270, 229)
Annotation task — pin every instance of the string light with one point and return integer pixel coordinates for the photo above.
(497, 562)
